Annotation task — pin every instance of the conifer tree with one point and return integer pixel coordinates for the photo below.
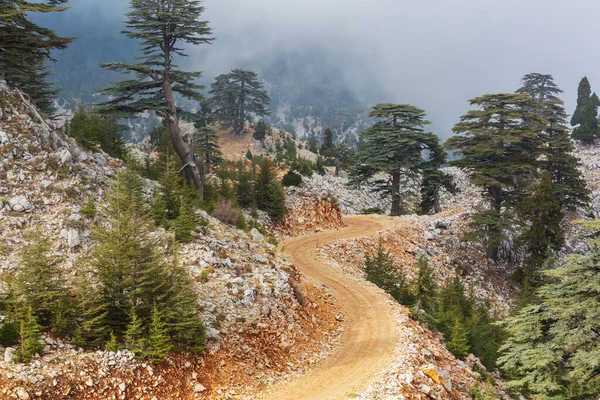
(31, 334)
(499, 143)
(208, 146)
(313, 142)
(425, 291)
(112, 344)
(485, 335)
(458, 342)
(394, 146)
(553, 346)
(328, 144)
(163, 28)
(237, 95)
(265, 177)
(275, 202)
(381, 269)
(586, 113)
(26, 47)
(243, 190)
(91, 129)
(131, 271)
(542, 233)
(588, 129)
(584, 95)
(167, 201)
(135, 335)
(435, 180)
(159, 342)
(39, 286)
(570, 187)
(186, 222)
(541, 87)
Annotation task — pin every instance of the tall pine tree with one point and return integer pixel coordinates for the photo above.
(207, 143)
(541, 87)
(570, 187)
(237, 95)
(162, 27)
(584, 95)
(542, 215)
(435, 180)
(394, 146)
(499, 145)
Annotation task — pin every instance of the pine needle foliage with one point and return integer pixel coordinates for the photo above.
(38, 286)
(163, 28)
(499, 143)
(236, 96)
(553, 350)
(26, 48)
(381, 269)
(131, 273)
(91, 129)
(542, 234)
(394, 145)
(159, 342)
(31, 334)
(207, 144)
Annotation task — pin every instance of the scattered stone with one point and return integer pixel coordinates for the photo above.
(20, 203)
(199, 388)
(9, 355)
(256, 235)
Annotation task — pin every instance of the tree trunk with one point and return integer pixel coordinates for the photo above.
(242, 111)
(395, 194)
(437, 206)
(183, 146)
(338, 163)
(494, 233)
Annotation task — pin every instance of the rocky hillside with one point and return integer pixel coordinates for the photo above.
(263, 322)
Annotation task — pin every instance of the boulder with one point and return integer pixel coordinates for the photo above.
(439, 376)
(199, 388)
(4, 139)
(19, 203)
(9, 355)
(256, 235)
(64, 157)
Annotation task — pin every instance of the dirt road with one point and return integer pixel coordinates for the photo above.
(369, 336)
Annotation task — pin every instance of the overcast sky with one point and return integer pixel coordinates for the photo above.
(435, 54)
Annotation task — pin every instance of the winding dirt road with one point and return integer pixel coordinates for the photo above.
(369, 336)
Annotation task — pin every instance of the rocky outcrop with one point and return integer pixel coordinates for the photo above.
(310, 215)
(351, 200)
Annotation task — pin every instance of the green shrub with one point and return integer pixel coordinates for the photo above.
(88, 210)
(240, 222)
(372, 210)
(291, 179)
(9, 333)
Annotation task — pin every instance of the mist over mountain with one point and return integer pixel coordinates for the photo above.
(326, 61)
